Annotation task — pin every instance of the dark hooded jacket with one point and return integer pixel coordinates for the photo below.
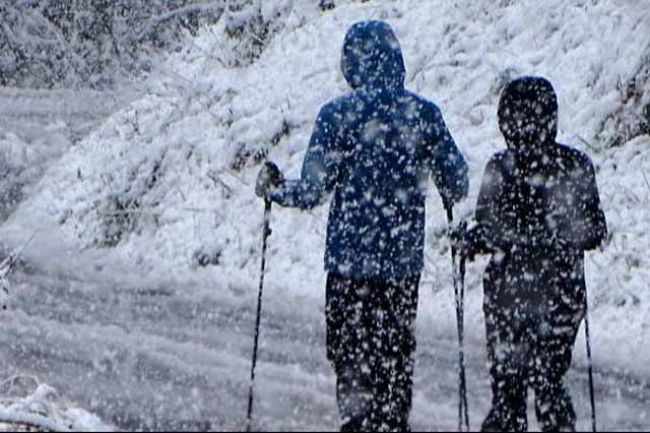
(538, 208)
(372, 149)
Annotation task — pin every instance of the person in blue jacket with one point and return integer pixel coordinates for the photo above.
(538, 210)
(372, 150)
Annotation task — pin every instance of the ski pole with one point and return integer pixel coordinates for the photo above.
(462, 339)
(590, 368)
(459, 294)
(265, 235)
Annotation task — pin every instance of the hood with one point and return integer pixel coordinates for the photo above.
(528, 114)
(372, 57)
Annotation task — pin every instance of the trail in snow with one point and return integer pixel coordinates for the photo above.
(152, 358)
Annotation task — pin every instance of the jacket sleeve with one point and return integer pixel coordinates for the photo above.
(319, 169)
(589, 228)
(447, 164)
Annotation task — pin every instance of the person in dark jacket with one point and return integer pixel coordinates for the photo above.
(373, 150)
(538, 211)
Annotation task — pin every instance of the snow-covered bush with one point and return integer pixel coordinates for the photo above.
(248, 29)
(632, 118)
(49, 43)
(14, 155)
(27, 404)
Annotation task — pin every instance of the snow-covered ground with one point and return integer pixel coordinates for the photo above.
(122, 315)
(177, 356)
(36, 128)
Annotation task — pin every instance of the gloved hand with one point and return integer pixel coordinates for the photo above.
(458, 234)
(470, 242)
(269, 178)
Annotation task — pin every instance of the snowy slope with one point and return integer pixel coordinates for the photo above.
(38, 126)
(166, 184)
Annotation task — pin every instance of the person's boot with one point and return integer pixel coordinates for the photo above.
(499, 422)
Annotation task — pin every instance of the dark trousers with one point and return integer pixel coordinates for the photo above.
(527, 349)
(371, 344)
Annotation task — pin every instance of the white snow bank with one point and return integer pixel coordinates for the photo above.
(166, 183)
(618, 277)
(39, 406)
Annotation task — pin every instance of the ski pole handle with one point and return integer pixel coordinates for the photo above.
(267, 216)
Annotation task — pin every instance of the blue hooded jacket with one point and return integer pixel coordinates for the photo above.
(374, 149)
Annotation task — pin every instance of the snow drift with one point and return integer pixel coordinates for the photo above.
(26, 403)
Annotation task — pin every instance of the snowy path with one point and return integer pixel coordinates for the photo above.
(156, 358)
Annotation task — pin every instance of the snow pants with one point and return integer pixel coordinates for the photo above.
(527, 349)
(371, 345)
